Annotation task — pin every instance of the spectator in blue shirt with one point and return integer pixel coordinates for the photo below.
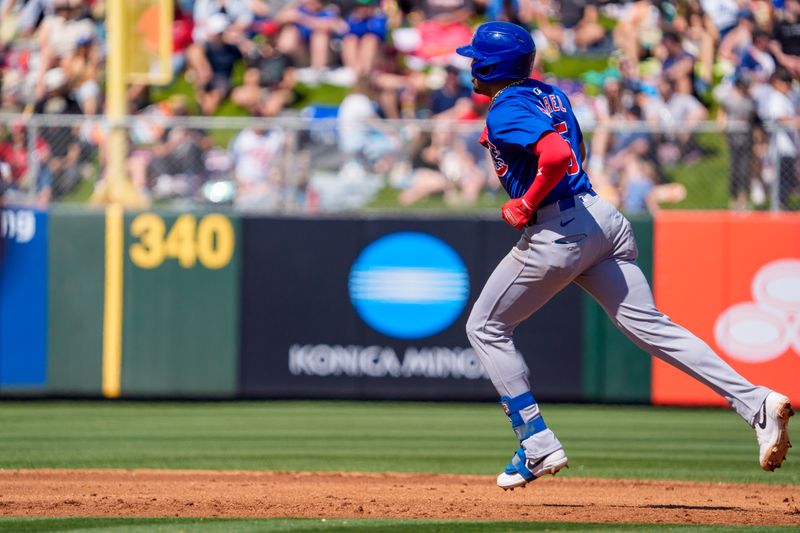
(366, 31)
(213, 62)
(451, 93)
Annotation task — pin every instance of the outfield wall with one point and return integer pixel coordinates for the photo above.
(734, 280)
(216, 305)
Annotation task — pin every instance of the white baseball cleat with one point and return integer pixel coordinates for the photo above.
(771, 427)
(520, 470)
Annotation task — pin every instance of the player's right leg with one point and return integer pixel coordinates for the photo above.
(518, 287)
(622, 290)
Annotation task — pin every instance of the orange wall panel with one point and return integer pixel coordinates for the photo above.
(733, 279)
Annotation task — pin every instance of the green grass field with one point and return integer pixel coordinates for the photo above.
(602, 441)
(142, 525)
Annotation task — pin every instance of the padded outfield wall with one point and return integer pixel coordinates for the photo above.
(214, 305)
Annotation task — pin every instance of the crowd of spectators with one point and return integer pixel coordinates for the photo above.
(671, 64)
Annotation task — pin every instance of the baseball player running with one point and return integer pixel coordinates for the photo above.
(570, 235)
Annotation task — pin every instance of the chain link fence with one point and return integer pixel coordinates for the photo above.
(297, 165)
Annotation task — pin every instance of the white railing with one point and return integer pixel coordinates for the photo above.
(297, 164)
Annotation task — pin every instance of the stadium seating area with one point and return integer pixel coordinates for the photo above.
(666, 66)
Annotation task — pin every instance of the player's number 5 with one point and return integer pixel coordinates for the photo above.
(574, 168)
(210, 241)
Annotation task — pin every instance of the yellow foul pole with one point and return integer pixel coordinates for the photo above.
(116, 187)
(112, 305)
(112, 194)
(118, 192)
(116, 99)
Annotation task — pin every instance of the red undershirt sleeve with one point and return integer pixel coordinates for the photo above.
(554, 155)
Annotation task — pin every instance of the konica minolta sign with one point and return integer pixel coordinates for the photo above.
(409, 285)
(376, 308)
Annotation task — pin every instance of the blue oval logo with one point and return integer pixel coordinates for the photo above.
(409, 285)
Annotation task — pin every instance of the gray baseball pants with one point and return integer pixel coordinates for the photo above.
(590, 244)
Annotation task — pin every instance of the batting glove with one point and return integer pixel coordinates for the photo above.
(517, 212)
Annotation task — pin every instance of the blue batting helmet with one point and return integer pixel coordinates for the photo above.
(501, 50)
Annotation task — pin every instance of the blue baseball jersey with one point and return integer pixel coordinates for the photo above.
(518, 118)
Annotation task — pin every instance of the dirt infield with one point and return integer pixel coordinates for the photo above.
(328, 495)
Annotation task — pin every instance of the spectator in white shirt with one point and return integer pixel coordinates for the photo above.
(238, 12)
(679, 114)
(780, 114)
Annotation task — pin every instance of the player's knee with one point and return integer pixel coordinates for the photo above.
(475, 328)
(480, 331)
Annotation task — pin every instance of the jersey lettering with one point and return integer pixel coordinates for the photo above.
(500, 166)
(574, 168)
(517, 120)
(557, 104)
(550, 104)
(562, 129)
(544, 106)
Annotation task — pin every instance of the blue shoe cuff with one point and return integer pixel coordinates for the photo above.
(517, 466)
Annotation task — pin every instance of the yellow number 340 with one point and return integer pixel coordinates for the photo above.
(210, 241)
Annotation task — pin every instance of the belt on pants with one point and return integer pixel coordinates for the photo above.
(560, 205)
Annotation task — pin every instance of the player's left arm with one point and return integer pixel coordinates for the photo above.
(554, 155)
